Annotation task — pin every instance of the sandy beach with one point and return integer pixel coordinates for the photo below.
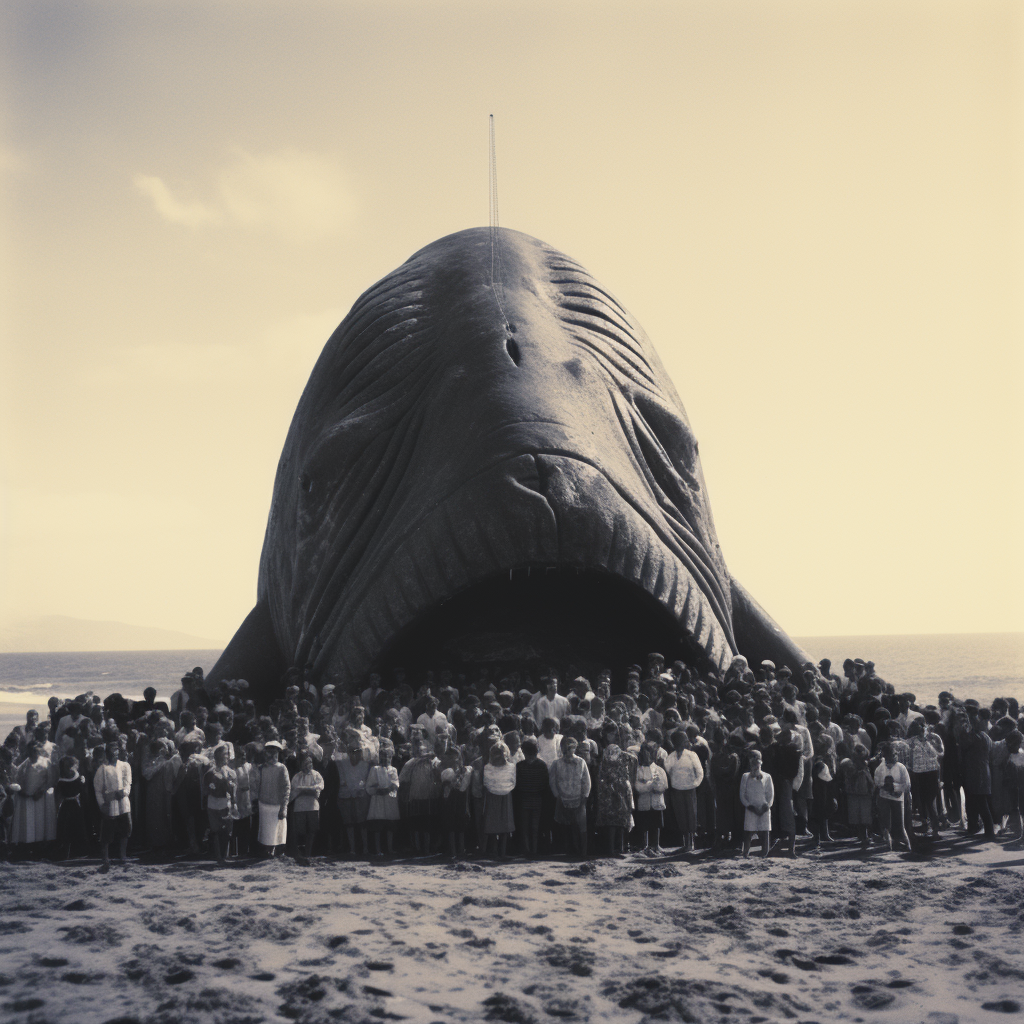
(828, 938)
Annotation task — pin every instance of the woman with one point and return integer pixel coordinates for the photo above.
(685, 774)
(788, 780)
(858, 785)
(925, 764)
(158, 771)
(69, 790)
(499, 779)
(726, 770)
(757, 794)
(274, 793)
(651, 785)
(615, 796)
(35, 811)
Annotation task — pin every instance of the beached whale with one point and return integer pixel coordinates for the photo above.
(489, 464)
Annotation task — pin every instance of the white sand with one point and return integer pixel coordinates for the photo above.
(620, 940)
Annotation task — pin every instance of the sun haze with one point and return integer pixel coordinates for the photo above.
(814, 210)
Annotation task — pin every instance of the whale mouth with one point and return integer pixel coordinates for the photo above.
(566, 567)
(539, 616)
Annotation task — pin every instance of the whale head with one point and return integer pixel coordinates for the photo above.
(490, 464)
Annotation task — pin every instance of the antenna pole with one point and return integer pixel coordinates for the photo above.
(493, 180)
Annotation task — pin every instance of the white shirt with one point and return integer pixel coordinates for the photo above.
(109, 778)
(684, 770)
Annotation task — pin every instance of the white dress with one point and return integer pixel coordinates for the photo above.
(753, 793)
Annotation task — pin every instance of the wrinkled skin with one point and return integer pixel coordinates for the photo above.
(495, 471)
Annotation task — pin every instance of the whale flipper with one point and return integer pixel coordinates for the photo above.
(253, 655)
(759, 636)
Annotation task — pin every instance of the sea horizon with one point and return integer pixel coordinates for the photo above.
(983, 665)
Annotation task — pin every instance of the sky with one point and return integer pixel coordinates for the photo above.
(814, 209)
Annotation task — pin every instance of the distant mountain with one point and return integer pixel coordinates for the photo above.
(48, 633)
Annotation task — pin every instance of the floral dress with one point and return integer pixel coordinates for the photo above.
(615, 789)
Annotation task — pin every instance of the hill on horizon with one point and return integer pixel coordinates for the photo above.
(57, 633)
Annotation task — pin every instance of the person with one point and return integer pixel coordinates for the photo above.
(550, 704)
(306, 787)
(615, 796)
(432, 719)
(382, 788)
(532, 782)
(455, 819)
(925, 753)
(353, 799)
(549, 742)
(651, 785)
(757, 794)
(859, 787)
(35, 814)
(113, 785)
(685, 774)
(159, 768)
(499, 779)
(975, 767)
(274, 791)
(69, 791)
(569, 779)
(726, 769)
(788, 778)
(219, 784)
(892, 780)
(418, 791)
(246, 777)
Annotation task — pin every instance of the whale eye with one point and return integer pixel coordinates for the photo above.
(306, 483)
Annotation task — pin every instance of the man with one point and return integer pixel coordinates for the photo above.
(113, 785)
(182, 697)
(975, 767)
(551, 704)
(907, 713)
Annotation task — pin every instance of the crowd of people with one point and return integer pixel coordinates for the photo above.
(491, 764)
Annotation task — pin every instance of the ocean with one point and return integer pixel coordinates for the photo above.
(980, 665)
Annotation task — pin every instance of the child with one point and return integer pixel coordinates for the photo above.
(220, 798)
(569, 779)
(113, 785)
(307, 786)
(274, 791)
(531, 785)
(757, 794)
(651, 784)
(892, 780)
(455, 817)
(382, 787)
(70, 789)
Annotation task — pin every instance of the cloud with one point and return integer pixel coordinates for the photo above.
(299, 196)
(192, 215)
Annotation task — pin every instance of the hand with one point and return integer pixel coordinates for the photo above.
(282, 814)
(887, 785)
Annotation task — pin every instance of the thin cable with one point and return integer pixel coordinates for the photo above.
(495, 237)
